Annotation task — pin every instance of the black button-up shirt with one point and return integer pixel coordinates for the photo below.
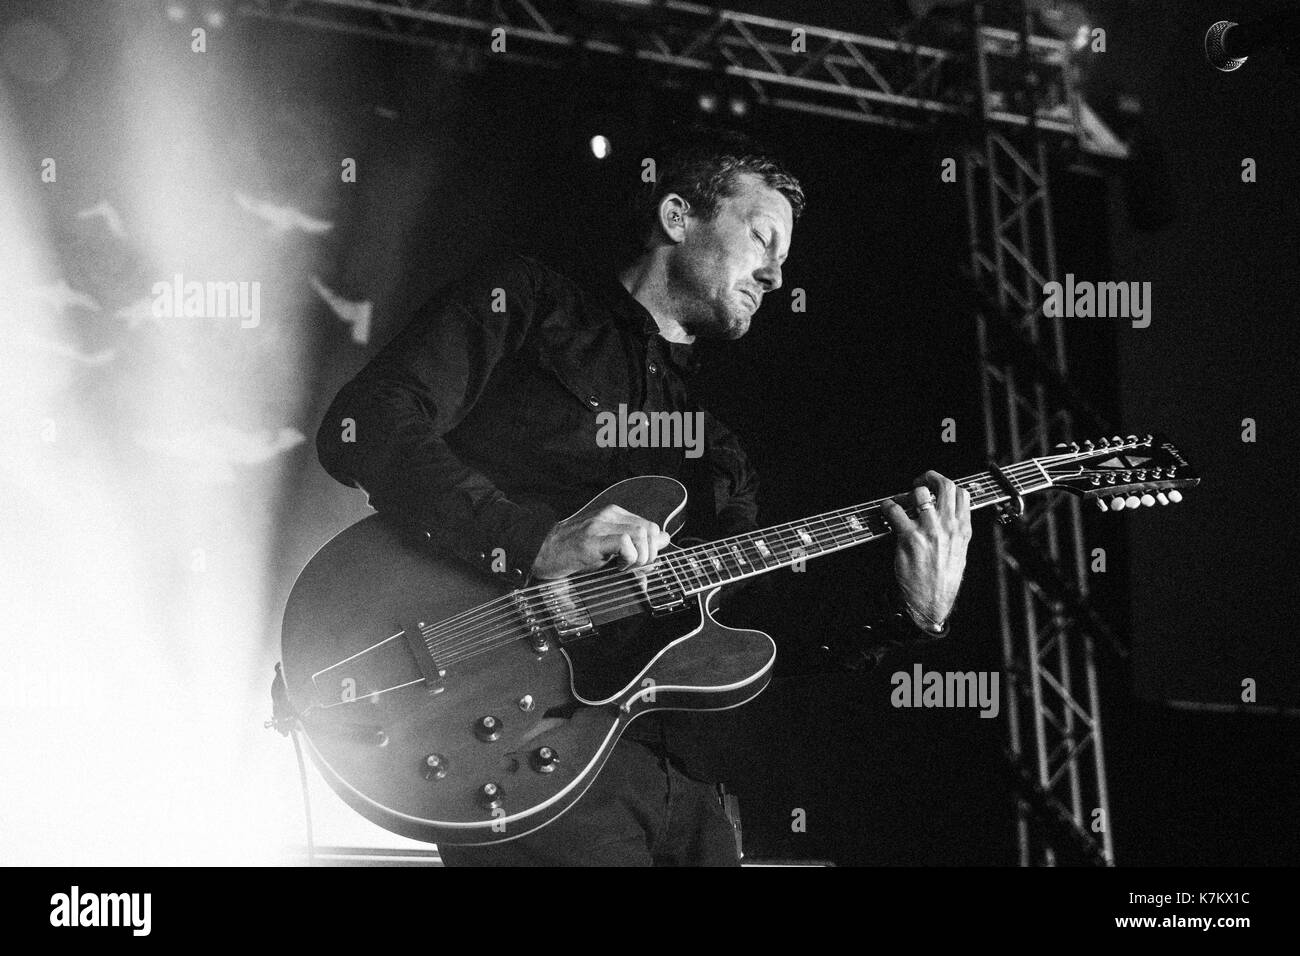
(479, 421)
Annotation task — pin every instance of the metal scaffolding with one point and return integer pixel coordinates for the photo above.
(1053, 705)
(1018, 90)
(786, 64)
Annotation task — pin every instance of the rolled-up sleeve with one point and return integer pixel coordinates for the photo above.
(385, 431)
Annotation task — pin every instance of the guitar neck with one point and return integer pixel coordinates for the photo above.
(705, 566)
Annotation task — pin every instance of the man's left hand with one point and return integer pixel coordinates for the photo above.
(930, 553)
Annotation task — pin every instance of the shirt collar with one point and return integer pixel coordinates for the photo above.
(680, 354)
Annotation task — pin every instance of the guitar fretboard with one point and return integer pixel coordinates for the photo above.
(705, 566)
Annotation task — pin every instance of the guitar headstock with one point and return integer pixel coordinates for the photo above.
(1126, 472)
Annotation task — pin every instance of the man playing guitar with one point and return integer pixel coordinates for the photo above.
(479, 422)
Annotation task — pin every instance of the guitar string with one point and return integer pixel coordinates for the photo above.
(471, 634)
(677, 562)
(629, 582)
(621, 582)
(628, 598)
(980, 484)
(459, 645)
(577, 580)
(628, 595)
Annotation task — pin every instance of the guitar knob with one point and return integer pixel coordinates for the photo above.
(1162, 497)
(1133, 501)
(545, 759)
(488, 728)
(491, 796)
(1117, 503)
(1148, 500)
(1175, 496)
(435, 767)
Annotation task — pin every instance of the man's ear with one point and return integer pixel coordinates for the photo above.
(673, 210)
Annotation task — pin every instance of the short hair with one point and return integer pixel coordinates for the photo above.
(703, 167)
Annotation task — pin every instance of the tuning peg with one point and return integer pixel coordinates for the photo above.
(1148, 500)
(1133, 501)
(1132, 439)
(1162, 497)
(1088, 446)
(1117, 503)
(1103, 442)
(1116, 440)
(1101, 503)
(1175, 496)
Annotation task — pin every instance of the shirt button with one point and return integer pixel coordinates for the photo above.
(593, 401)
(654, 369)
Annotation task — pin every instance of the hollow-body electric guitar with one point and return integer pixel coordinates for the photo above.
(445, 706)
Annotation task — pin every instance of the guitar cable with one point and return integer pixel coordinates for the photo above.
(285, 721)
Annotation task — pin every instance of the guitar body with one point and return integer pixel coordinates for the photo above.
(374, 713)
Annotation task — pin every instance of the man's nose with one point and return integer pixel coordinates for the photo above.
(770, 276)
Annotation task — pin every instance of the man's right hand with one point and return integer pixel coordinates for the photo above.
(585, 542)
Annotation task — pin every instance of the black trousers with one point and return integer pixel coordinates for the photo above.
(641, 811)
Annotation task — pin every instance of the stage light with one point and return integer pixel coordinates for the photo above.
(707, 102)
(176, 12)
(739, 106)
(601, 147)
(215, 14)
(1081, 36)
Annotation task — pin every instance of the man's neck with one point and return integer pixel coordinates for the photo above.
(646, 279)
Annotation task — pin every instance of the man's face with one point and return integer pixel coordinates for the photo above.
(720, 271)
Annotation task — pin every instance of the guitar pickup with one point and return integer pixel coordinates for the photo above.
(568, 619)
(665, 602)
(661, 595)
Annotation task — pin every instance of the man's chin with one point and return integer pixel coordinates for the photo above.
(724, 328)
